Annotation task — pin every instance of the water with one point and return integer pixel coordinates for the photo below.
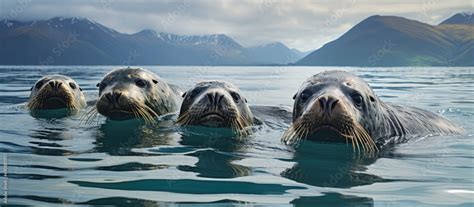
(61, 161)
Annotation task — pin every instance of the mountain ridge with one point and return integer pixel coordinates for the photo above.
(94, 43)
(398, 41)
(375, 41)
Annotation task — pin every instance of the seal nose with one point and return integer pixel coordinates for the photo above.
(113, 97)
(55, 85)
(214, 98)
(328, 103)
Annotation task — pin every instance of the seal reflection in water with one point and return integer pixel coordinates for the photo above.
(134, 93)
(216, 104)
(337, 106)
(56, 92)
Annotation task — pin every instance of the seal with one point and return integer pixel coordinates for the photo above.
(337, 106)
(215, 104)
(135, 93)
(56, 92)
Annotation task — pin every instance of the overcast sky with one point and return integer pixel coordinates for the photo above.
(301, 24)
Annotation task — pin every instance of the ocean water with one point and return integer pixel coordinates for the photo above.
(67, 162)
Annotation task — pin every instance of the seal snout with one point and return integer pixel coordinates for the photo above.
(327, 103)
(215, 99)
(113, 97)
(325, 118)
(55, 85)
(115, 105)
(323, 107)
(214, 107)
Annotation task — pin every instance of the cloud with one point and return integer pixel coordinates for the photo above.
(302, 24)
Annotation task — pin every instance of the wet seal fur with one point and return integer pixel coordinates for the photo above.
(337, 106)
(135, 93)
(56, 92)
(216, 104)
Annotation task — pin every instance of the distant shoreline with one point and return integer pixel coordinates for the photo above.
(295, 66)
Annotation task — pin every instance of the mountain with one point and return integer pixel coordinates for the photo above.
(396, 41)
(171, 49)
(80, 41)
(461, 18)
(275, 52)
(301, 53)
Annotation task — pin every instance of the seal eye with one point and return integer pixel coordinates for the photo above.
(304, 96)
(184, 94)
(235, 96)
(155, 81)
(358, 99)
(39, 84)
(73, 85)
(140, 83)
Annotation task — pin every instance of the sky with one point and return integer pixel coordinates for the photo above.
(301, 24)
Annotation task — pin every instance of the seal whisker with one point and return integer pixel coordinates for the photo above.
(293, 135)
(144, 115)
(355, 139)
(184, 119)
(135, 112)
(360, 139)
(370, 142)
(88, 116)
(235, 125)
(91, 116)
(150, 111)
(288, 135)
(149, 119)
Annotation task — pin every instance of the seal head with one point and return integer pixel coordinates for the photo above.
(337, 106)
(56, 92)
(215, 104)
(135, 93)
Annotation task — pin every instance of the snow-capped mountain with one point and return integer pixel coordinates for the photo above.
(81, 41)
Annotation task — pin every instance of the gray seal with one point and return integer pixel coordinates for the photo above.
(215, 104)
(56, 92)
(337, 106)
(136, 93)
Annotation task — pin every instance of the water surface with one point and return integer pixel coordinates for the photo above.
(63, 161)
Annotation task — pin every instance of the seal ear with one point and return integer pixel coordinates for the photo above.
(154, 81)
(184, 94)
(98, 84)
(80, 88)
(372, 99)
(294, 96)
